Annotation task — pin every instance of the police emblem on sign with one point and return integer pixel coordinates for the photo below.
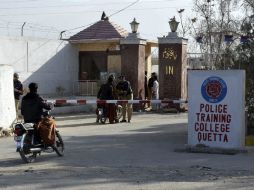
(214, 89)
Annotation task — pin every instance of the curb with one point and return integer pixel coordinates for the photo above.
(211, 150)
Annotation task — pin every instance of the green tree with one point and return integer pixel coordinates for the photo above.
(217, 19)
(214, 20)
(245, 59)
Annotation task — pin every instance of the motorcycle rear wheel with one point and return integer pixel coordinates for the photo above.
(59, 145)
(25, 153)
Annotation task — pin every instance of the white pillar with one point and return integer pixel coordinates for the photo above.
(7, 103)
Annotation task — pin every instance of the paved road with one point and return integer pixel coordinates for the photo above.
(130, 156)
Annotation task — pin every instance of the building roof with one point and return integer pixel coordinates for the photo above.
(101, 30)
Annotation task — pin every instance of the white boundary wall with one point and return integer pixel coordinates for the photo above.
(50, 63)
(7, 103)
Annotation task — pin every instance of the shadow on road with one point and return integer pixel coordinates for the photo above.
(11, 162)
(65, 117)
(136, 156)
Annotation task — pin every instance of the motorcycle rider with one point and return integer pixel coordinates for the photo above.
(32, 105)
(106, 92)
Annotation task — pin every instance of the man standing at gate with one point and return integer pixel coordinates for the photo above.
(125, 93)
(155, 92)
(146, 90)
(18, 91)
(145, 86)
(150, 90)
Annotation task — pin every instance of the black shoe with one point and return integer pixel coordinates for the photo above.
(123, 121)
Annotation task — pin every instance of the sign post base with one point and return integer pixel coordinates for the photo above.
(200, 148)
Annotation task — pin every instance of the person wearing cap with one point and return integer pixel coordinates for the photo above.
(125, 93)
(32, 105)
(18, 91)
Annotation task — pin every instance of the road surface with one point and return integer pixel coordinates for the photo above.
(128, 156)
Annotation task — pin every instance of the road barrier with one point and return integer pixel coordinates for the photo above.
(84, 101)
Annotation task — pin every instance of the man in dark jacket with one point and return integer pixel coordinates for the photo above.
(150, 86)
(146, 86)
(32, 105)
(106, 92)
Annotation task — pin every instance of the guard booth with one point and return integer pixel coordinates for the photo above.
(106, 48)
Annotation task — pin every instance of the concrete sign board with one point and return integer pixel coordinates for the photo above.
(216, 108)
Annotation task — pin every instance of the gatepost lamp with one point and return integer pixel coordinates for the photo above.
(173, 24)
(134, 26)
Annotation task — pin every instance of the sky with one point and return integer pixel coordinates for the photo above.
(47, 18)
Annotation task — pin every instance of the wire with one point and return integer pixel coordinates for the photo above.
(22, 1)
(108, 3)
(35, 27)
(119, 12)
(109, 16)
(85, 11)
(135, 2)
(32, 51)
(67, 5)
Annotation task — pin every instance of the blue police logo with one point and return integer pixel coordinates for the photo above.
(214, 89)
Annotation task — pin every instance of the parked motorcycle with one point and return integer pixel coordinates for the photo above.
(102, 114)
(27, 142)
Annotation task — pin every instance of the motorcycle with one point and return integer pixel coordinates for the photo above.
(102, 114)
(27, 143)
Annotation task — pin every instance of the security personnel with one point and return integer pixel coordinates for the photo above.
(125, 93)
(18, 91)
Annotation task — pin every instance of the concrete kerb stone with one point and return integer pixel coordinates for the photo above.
(200, 148)
(6, 132)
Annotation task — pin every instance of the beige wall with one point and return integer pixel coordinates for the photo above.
(97, 46)
(114, 64)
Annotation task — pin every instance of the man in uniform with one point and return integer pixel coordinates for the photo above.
(125, 93)
(18, 91)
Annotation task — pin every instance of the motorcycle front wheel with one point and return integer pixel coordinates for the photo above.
(25, 153)
(103, 119)
(119, 112)
(59, 145)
